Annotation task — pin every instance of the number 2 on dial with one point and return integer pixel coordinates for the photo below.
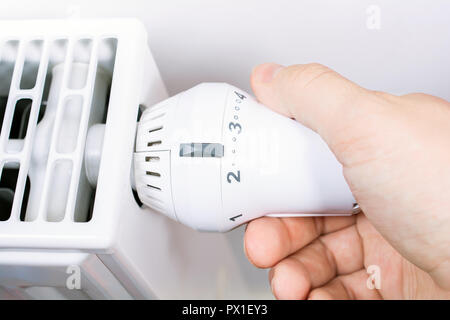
(235, 176)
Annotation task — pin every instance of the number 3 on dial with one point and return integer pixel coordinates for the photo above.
(235, 176)
(233, 126)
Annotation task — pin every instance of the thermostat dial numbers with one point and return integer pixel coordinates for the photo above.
(234, 126)
(233, 177)
(235, 129)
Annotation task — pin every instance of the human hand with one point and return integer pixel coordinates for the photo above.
(395, 152)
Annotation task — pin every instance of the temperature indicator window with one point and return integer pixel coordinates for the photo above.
(203, 150)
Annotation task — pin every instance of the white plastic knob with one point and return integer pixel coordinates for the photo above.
(212, 158)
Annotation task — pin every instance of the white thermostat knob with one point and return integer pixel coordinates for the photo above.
(212, 158)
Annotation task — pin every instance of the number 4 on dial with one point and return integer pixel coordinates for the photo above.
(240, 95)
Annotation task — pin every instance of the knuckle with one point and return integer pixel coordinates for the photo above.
(425, 100)
(381, 94)
(380, 98)
(417, 95)
(302, 75)
(285, 265)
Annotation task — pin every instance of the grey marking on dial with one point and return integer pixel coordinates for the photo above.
(203, 150)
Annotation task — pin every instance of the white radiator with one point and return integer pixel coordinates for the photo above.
(70, 226)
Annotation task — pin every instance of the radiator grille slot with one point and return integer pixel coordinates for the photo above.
(8, 184)
(33, 53)
(81, 54)
(20, 119)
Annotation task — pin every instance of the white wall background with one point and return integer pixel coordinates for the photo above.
(221, 40)
(203, 40)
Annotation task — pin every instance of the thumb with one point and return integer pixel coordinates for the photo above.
(314, 95)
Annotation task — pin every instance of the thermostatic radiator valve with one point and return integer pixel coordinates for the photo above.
(212, 158)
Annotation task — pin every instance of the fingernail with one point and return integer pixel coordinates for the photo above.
(266, 72)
